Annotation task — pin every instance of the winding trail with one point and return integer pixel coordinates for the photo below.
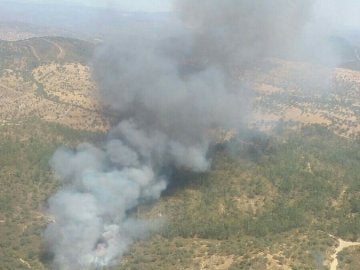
(342, 245)
(34, 52)
(61, 53)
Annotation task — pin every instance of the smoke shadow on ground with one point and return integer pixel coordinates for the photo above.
(46, 256)
(181, 179)
(251, 145)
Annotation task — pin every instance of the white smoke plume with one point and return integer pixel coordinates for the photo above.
(168, 90)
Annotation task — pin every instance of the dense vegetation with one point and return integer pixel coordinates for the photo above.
(269, 201)
(278, 196)
(266, 199)
(26, 182)
(349, 258)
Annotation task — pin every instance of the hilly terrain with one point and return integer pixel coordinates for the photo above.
(71, 19)
(281, 193)
(13, 31)
(49, 78)
(303, 93)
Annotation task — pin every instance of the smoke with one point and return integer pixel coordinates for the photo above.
(169, 90)
(240, 31)
(337, 16)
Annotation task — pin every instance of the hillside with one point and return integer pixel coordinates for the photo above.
(272, 204)
(13, 31)
(34, 75)
(26, 183)
(303, 93)
(280, 193)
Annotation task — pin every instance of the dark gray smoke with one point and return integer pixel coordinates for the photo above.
(169, 90)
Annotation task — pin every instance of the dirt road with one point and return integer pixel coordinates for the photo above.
(342, 245)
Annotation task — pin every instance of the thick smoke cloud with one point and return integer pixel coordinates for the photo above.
(91, 227)
(169, 91)
(241, 31)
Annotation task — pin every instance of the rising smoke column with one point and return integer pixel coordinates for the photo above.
(168, 90)
(239, 32)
